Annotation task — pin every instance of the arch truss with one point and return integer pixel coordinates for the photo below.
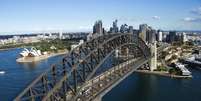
(66, 80)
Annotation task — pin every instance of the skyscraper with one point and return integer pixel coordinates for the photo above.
(142, 31)
(98, 28)
(160, 36)
(172, 36)
(146, 33)
(123, 28)
(130, 29)
(184, 37)
(115, 28)
(150, 35)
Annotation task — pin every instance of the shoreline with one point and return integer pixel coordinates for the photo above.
(162, 74)
(39, 58)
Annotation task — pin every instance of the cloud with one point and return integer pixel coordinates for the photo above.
(196, 11)
(190, 19)
(155, 17)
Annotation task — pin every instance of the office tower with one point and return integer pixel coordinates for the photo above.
(130, 29)
(124, 28)
(150, 35)
(142, 31)
(184, 37)
(98, 28)
(115, 28)
(160, 36)
(172, 36)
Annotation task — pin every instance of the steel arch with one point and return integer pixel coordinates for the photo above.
(76, 68)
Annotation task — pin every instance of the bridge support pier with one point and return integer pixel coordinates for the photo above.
(153, 61)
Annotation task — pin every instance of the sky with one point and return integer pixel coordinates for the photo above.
(24, 16)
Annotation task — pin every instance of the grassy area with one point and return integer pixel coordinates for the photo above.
(53, 45)
(175, 71)
(43, 45)
(161, 68)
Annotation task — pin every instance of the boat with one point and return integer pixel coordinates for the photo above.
(183, 69)
(2, 72)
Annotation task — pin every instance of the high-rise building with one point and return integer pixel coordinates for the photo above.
(150, 35)
(146, 33)
(142, 31)
(115, 28)
(60, 34)
(160, 36)
(184, 37)
(98, 28)
(124, 28)
(172, 36)
(130, 29)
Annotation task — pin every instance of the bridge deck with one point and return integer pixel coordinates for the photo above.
(104, 82)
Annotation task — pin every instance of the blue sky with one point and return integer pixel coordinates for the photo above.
(20, 16)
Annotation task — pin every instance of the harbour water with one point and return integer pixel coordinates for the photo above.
(145, 87)
(137, 87)
(18, 75)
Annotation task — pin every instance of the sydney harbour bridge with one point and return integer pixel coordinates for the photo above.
(90, 70)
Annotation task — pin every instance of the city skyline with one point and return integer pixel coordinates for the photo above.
(49, 15)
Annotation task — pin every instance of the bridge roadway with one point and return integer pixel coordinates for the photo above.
(100, 85)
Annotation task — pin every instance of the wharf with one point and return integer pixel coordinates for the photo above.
(162, 74)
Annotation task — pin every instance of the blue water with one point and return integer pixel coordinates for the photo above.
(19, 75)
(145, 87)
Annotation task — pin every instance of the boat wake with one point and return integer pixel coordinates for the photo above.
(2, 72)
